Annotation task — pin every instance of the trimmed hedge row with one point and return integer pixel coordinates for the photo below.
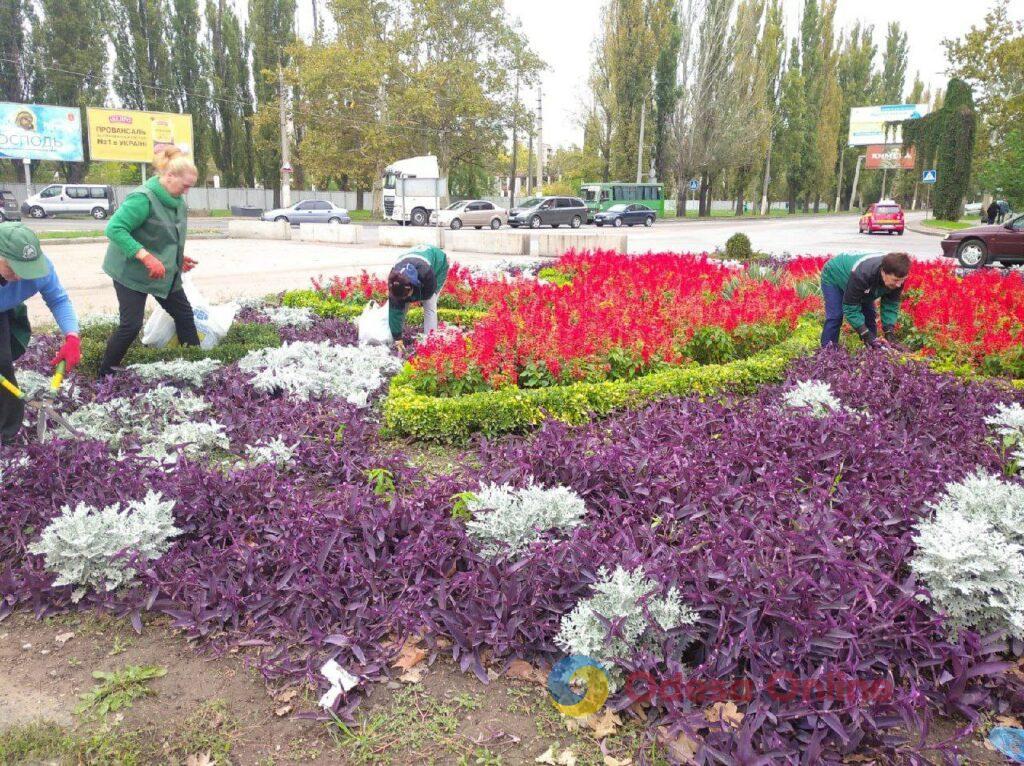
(455, 419)
(239, 341)
(326, 306)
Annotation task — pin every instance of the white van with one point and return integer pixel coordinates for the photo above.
(96, 200)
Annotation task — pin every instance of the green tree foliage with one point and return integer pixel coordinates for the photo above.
(230, 135)
(270, 34)
(944, 140)
(894, 65)
(16, 83)
(72, 58)
(666, 93)
(191, 75)
(142, 61)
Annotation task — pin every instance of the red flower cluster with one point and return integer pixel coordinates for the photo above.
(642, 310)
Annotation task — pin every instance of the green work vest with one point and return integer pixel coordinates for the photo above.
(163, 235)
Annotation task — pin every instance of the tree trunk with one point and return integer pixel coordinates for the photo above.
(739, 202)
(791, 202)
(817, 202)
(703, 205)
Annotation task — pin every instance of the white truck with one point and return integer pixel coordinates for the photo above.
(413, 189)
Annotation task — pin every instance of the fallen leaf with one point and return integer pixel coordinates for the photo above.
(611, 760)
(1009, 721)
(412, 654)
(283, 711)
(572, 725)
(287, 695)
(548, 757)
(603, 723)
(682, 748)
(638, 710)
(567, 758)
(725, 712)
(63, 638)
(414, 675)
(199, 759)
(521, 670)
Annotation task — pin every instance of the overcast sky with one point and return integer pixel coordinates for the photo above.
(562, 31)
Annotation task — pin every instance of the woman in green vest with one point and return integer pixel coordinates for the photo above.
(146, 255)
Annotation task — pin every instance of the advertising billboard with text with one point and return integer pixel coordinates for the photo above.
(40, 132)
(124, 135)
(867, 123)
(889, 157)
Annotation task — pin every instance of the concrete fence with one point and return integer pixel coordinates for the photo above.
(252, 229)
(346, 234)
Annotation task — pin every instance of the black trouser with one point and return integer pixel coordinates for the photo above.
(132, 306)
(12, 410)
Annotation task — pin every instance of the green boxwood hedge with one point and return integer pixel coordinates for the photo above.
(326, 306)
(455, 419)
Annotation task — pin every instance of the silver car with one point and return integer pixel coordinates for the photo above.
(309, 211)
(471, 212)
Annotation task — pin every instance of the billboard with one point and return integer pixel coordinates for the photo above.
(40, 132)
(124, 135)
(889, 157)
(867, 123)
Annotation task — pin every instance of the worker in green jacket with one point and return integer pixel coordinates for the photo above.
(850, 285)
(146, 255)
(419, 275)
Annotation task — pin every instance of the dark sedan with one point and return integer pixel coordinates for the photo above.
(625, 215)
(999, 243)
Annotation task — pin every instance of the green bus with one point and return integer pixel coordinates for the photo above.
(601, 196)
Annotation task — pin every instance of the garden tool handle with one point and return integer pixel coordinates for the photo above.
(16, 392)
(58, 375)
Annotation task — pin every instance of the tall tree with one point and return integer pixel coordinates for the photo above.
(858, 83)
(666, 92)
(72, 59)
(16, 84)
(142, 61)
(191, 75)
(230, 135)
(894, 65)
(793, 108)
(270, 34)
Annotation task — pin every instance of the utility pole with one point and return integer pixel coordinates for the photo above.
(839, 184)
(529, 164)
(640, 145)
(515, 147)
(286, 164)
(856, 179)
(540, 138)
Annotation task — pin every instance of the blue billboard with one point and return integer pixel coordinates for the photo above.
(40, 132)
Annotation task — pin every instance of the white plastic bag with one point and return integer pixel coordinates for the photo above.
(212, 322)
(373, 324)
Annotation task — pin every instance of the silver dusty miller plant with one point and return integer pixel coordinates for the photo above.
(1008, 423)
(620, 598)
(93, 548)
(813, 395)
(288, 316)
(970, 554)
(277, 452)
(307, 370)
(191, 372)
(508, 519)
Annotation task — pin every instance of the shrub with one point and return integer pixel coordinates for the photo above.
(315, 370)
(626, 601)
(508, 519)
(327, 306)
(970, 555)
(92, 548)
(738, 248)
(240, 340)
(710, 345)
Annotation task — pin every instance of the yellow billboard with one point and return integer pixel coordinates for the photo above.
(124, 135)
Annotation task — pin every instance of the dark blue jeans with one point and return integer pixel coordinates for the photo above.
(834, 316)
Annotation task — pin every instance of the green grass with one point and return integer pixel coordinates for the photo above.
(218, 214)
(70, 234)
(362, 216)
(118, 690)
(240, 340)
(935, 223)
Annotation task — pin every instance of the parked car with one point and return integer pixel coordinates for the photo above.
(974, 247)
(885, 215)
(625, 215)
(9, 210)
(972, 208)
(309, 211)
(96, 200)
(472, 212)
(548, 211)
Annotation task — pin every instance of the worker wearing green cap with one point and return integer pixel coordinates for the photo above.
(24, 272)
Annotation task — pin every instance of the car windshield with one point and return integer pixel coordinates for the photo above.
(617, 209)
(591, 193)
(456, 205)
(531, 202)
(390, 180)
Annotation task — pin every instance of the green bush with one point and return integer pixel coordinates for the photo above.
(554, 276)
(456, 419)
(738, 247)
(710, 345)
(326, 306)
(240, 340)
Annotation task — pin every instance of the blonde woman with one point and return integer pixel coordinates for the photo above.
(146, 255)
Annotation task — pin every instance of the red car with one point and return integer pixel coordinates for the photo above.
(885, 215)
(974, 247)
